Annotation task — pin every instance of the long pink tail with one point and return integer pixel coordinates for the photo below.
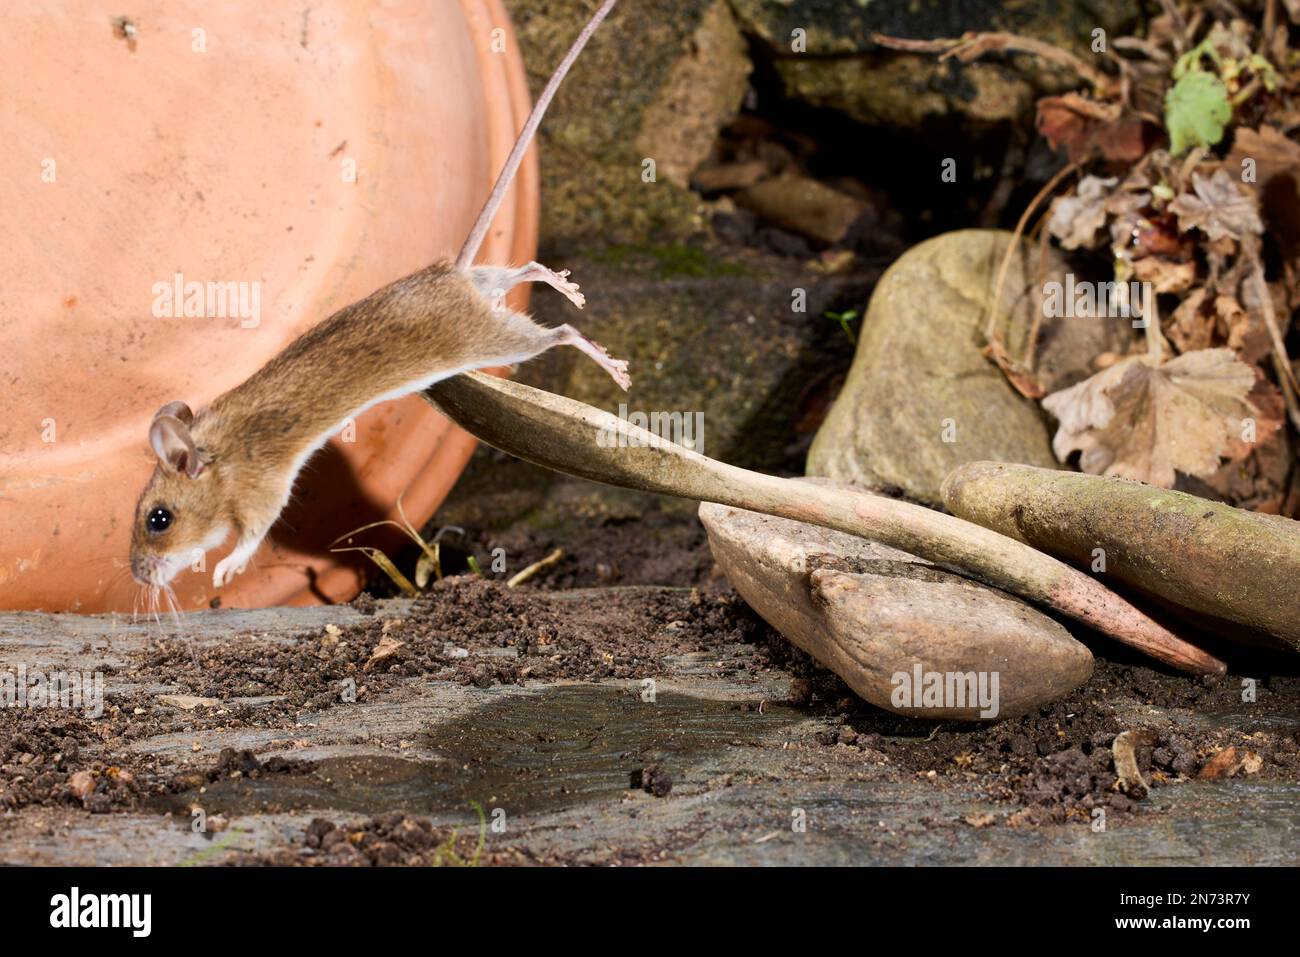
(489, 211)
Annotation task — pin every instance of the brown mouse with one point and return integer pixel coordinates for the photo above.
(232, 466)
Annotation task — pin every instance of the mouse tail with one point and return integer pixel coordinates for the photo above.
(494, 200)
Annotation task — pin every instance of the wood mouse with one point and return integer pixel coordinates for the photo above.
(232, 466)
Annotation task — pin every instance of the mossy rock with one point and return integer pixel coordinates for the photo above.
(705, 332)
(658, 80)
(841, 68)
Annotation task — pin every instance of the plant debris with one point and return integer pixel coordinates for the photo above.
(1188, 178)
(1142, 420)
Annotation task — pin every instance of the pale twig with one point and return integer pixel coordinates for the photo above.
(991, 332)
(1151, 326)
(1270, 317)
(554, 558)
(1281, 362)
(1270, 24)
(1181, 37)
(972, 46)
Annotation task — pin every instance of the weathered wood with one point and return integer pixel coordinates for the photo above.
(1235, 566)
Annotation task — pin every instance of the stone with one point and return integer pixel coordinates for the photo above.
(81, 784)
(728, 176)
(1227, 566)
(842, 69)
(921, 398)
(872, 614)
(657, 81)
(188, 702)
(804, 206)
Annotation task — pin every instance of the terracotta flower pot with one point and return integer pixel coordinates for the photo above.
(307, 157)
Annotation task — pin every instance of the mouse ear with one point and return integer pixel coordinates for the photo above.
(177, 410)
(171, 441)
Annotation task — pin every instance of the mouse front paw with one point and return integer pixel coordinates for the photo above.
(226, 571)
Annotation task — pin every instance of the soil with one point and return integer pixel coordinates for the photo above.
(1049, 767)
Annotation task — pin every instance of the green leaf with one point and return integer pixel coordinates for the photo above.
(1196, 111)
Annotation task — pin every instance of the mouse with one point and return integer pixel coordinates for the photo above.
(231, 467)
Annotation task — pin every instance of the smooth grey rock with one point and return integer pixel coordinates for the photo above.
(921, 398)
(871, 613)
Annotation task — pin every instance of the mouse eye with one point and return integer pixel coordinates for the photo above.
(159, 520)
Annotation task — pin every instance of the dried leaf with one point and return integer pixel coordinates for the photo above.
(1124, 755)
(1244, 336)
(1075, 220)
(1196, 111)
(1230, 41)
(1269, 162)
(1272, 152)
(1146, 422)
(1224, 764)
(1087, 129)
(1165, 275)
(1220, 208)
(387, 647)
(1190, 328)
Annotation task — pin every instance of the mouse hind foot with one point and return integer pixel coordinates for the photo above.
(493, 282)
(567, 335)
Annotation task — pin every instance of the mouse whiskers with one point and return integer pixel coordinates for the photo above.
(176, 617)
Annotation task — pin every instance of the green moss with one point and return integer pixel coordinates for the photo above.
(667, 260)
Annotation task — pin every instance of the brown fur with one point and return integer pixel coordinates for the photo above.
(434, 321)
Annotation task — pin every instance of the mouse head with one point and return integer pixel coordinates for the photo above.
(176, 518)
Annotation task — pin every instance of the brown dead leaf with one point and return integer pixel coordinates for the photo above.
(1271, 152)
(1276, 162)
(1075, 220)
(1087, 128)
(1219, 207)
(1224, 764)
(1190, 328)
(1246, 337)
(1231, 40)
(387, 647)
(1124, 755)
(1146, 422)
(1165, 275)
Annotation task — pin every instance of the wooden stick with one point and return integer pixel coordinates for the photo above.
(570, 437)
